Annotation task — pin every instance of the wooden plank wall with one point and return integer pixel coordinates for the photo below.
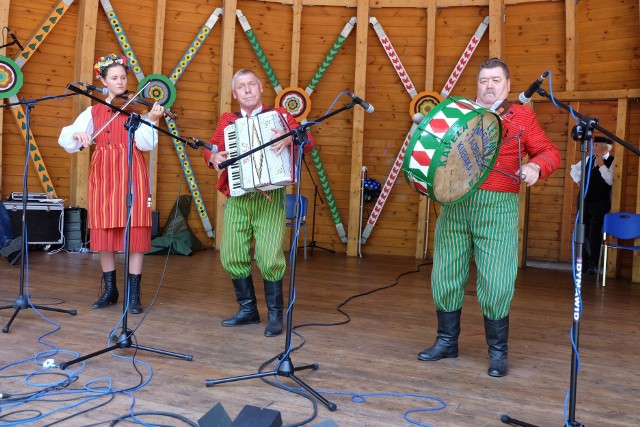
(534, 36)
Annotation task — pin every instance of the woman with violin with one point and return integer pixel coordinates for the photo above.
(107, 192)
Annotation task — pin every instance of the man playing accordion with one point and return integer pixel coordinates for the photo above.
(259, 214)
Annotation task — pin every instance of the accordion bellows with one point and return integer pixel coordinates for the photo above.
(262, 170)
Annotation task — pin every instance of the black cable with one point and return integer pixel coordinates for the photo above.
(111, 397)
(157, 413)
(348, 319)
(19, 397)
(35, 411)
(345, 302)
(314, 414)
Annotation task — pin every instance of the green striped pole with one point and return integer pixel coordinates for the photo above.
(315, 154)
(333, 52)
(255, 45)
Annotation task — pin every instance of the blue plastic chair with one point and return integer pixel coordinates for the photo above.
(622, 226)
(290, 205)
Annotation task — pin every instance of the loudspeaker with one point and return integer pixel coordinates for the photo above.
(155, 224)
(216, 417)
(75, 229)
(252, 416)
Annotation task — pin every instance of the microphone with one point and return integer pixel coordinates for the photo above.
(15, 39)
(364, 104)
(102, 90)
(200, 143)
(526, 95)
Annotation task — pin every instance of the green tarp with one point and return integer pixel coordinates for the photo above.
(176, 237)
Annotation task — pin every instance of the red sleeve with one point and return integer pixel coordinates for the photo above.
(218, 140)
(521, 122)
(218, 135)
(538, 146)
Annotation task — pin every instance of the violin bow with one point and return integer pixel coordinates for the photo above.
(129, 101)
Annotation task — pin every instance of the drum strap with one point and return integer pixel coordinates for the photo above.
(503, 108)
(502, 111)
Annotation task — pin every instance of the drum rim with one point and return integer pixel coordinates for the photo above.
(438, 151)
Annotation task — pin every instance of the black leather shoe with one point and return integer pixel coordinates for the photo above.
(242, 317)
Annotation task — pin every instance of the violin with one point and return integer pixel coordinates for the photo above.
(138, 105)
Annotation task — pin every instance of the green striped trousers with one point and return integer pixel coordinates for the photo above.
(485, 226)
(254, 215)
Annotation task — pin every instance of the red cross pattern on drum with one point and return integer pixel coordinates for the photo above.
(453, 140)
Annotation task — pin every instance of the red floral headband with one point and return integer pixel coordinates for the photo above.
(108, 60)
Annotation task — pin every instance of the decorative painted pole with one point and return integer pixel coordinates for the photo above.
(419, 104)
(163, 90)
(262, 57)
(315, 154)
(18, 113)
(298, 103)
(464, 58)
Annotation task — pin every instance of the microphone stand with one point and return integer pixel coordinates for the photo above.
(284, 367)
(582, 132)
(22, 301)
(124, 340)
(316, 195)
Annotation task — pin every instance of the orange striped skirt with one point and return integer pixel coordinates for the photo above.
(112, 239)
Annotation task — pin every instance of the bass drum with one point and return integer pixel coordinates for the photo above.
(453, 150)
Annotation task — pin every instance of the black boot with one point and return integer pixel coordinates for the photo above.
(497, 332)
(246, 297)
(110, 292)
(135, 302)
(275, 303)
(446, 344)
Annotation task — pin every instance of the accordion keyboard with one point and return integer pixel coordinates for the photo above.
(235, 180)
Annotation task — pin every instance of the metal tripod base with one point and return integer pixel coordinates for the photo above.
(285, 369)
(124, 341)
(313, 244)
(21, 303)
(506, 419)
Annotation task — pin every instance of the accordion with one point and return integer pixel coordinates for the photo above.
(264, 169)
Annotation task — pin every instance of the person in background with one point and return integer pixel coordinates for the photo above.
(107, 193)
(597, 198)
(10, 247)
(255, 214)
(484, 226)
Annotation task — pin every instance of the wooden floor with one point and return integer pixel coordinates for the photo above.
(373, 353)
